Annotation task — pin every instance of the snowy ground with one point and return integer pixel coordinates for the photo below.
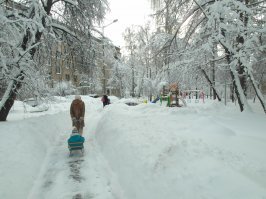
(203, 151)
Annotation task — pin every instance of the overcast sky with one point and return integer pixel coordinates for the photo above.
(127, 12)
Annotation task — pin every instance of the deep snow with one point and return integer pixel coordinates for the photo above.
(208, 151)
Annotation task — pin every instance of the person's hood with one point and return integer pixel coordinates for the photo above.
(77, 101)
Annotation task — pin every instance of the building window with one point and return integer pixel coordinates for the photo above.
(67, 63)
(57, 64)
(58, 68)
(49, 61)
(50, 76)
(75, 78)
(58, 54)
(67, 77)
(73, 62)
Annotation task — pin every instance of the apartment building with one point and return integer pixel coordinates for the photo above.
(69, 64)
(63, 63)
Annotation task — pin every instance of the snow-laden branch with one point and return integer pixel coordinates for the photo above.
(25, 20)
(185, 19)
(193, 30)
(73, 3)
(27, 50)
(64, 29)
(256, 3)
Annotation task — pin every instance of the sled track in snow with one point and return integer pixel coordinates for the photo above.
(75, 166)
(79, 176)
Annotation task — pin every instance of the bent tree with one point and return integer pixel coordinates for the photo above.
(229, 25)
(22, 27)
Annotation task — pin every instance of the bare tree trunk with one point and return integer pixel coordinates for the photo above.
(213, 80)
(141, 85)
(232, 93)
(210, 82)
(241, 69)
(214, 52)
(236, 84)
(10, 96)
(133, 82)
(258, 93)
(240, 103)
(235, 77)
(240, 40)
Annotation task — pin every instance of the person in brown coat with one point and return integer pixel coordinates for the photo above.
(77, 112)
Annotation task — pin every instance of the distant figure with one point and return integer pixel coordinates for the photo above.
(105, 100)
(77, 112)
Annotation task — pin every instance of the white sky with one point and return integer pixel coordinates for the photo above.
(128, 12)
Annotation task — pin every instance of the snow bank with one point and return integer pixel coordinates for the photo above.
(196, 152)
(206, 151)
(29, 142)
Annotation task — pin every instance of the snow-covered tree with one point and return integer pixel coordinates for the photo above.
(233, 27)
(119, 77)
(22, 27)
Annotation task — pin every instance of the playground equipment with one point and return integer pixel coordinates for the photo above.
(171, 95)
(196, 95)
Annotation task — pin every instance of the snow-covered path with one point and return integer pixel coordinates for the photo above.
(148, 151)
(78, 176)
